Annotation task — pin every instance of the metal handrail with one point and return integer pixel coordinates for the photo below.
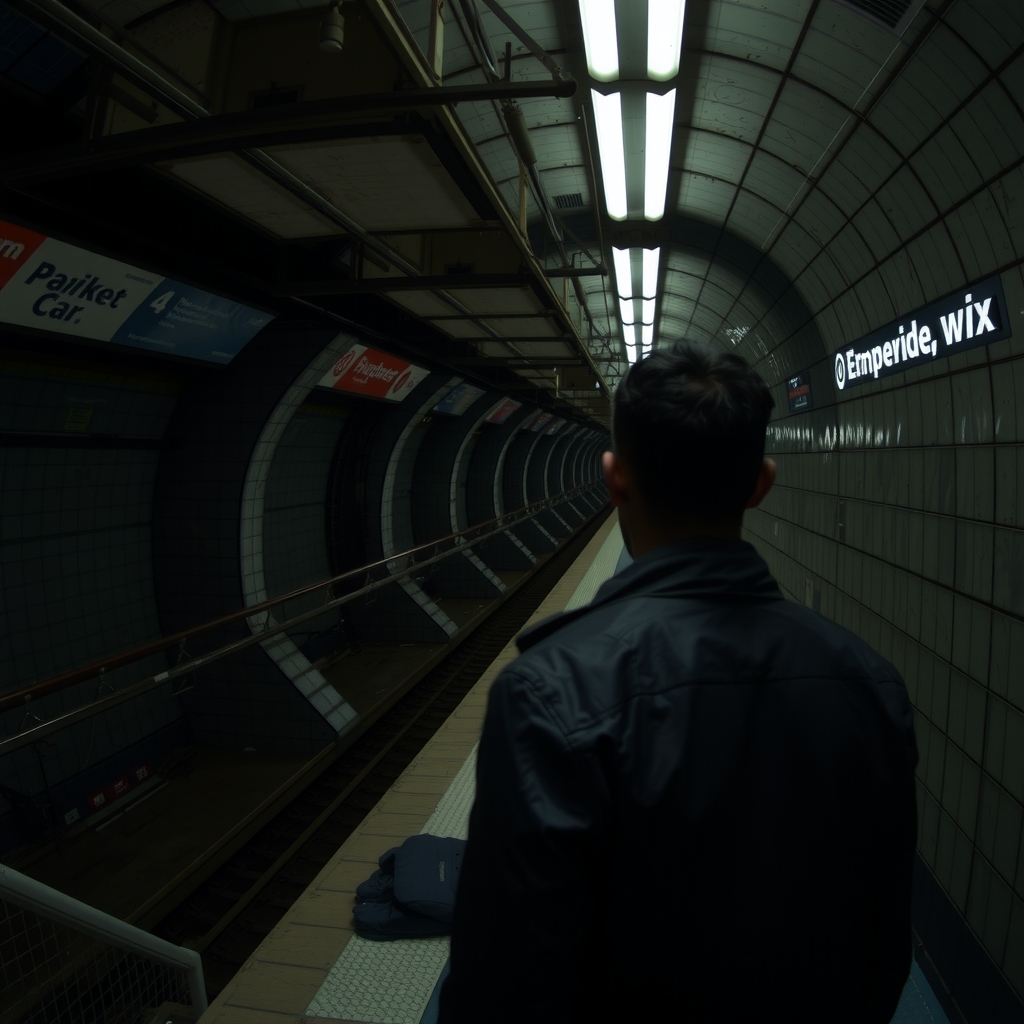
(31, 895)
(22, 697)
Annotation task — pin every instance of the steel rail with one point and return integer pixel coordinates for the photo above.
(24, 696)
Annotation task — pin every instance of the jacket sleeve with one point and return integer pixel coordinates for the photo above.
(536, 844)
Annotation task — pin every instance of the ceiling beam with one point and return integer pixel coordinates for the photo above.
(406, 284)
(314, 121)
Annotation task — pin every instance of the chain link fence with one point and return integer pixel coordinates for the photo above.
(70, 964)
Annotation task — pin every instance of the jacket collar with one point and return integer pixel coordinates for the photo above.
(703, 567)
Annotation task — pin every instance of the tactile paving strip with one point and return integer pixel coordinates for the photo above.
(392, 982)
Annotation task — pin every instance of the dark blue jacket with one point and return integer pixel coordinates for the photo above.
(695, 802)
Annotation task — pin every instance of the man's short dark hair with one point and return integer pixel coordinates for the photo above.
(692, 425)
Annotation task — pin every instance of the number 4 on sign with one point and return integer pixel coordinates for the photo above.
(161, 303)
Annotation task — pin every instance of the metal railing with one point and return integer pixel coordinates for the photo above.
(64, 962)
(384, 572)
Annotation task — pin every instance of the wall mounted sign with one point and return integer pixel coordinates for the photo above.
(966, 319)
(555, 427)
(502, 411)
(365, 371)
(799, 392)
(541, 421)
(459, 399)
(53, 286)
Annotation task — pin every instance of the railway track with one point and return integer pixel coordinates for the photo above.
(227, 917)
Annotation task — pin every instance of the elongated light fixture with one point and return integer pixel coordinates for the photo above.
(650, 285)
(631, 353)
(664, 37)
(626, 312)
(608, 115)
(661, 115)
(647, 337)
(623, 272)
(647, 316)
(600, 39)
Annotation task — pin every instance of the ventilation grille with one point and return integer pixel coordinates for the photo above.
(568, 201)
(893, 14)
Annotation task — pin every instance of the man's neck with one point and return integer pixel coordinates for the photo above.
(646, 536)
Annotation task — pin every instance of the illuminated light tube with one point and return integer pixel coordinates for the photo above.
(626, 312)
(661, 114)
(623, 272)
(664, 38)
(631, 353)
(650, 286)
(600, 39)
(647, 316)
(647, 336)
(608, 115)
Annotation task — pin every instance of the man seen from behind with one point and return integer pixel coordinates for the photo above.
(695, 799)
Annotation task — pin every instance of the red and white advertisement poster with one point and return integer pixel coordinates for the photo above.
(17, 244)
(502, 411)
(541, 422)
(365, 371)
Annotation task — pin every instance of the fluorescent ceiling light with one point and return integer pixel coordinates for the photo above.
(623, 272)
(661, 115)
(631, 353)
(608, 115)
(647, 335)
(647, 316)
(626, 312)
(599, 38)
(664, 37)
(651, 257)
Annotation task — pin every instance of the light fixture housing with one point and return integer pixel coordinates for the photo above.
(623, 272)
(661, 115)
(664, 38)
(608, 117)
(600, 39)
(652, 258)
(332, 29)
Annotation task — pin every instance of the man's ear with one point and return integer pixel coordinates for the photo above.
(765, 479)
(616, 478)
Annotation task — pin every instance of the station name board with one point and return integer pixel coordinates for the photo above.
(52, 286)
(966, 319)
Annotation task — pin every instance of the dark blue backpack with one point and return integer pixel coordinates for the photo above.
(412, 893)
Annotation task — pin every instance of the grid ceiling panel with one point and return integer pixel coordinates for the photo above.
(803, 125)
(704, 197)
(793, 249)
(995, 28)
(733, 98)
(820, 217)
(864, 162)
(876, 229)
(946, 169)
(753, 219)
(906, 118)
(905, 202)
(774, 180)
(752, 33)
(843, 52)
(718, 155)
(935, 261)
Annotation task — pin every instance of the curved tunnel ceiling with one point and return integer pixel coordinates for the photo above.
(813, 145)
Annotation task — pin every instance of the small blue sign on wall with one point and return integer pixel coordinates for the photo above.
(184, 321)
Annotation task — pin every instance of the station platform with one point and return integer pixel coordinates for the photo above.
(314, 969)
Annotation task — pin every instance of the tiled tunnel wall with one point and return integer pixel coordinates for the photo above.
(81, 450)
(899, 507)
(294, 513)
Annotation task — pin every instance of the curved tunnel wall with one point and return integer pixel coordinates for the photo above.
(165, 496)
(898, 509)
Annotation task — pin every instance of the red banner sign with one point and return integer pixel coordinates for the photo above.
(365, 371)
